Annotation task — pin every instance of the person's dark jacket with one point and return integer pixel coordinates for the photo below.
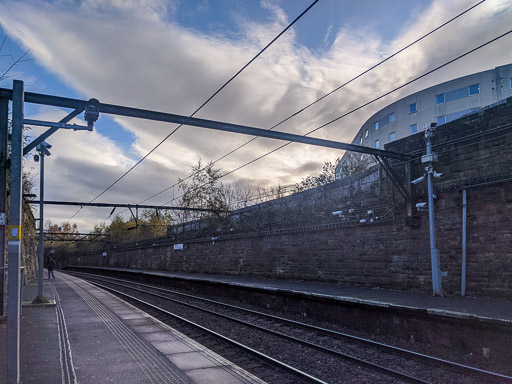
(50, 265)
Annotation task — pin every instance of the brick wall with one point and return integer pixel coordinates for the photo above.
(392, 251)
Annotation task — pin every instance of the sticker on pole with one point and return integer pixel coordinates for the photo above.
(14, 232)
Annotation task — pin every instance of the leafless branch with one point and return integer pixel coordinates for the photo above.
(5, 73)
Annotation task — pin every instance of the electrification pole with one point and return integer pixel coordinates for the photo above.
(4, 111)
(42, 149)
(429, 159)
(14, 237)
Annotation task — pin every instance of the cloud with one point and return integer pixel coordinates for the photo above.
(133, 53)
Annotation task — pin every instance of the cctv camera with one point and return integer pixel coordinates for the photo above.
(92, 112)
(421, 205)
(36, 158)
(438, 175)
(418, 180)
(339, 213)
(43, 148)
(351, 210)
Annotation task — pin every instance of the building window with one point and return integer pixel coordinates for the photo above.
(377, 143)
(510, 83)
(441, 120)
(413, 128)
(366, 134)
(458, 94)
(361, 140)
(384, 121)
(392, 136)
(412, 108)
(474, 89)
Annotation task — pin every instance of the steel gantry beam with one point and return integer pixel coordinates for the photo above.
(111, 205)
(118, 110)
(72, 236)
(92, 109)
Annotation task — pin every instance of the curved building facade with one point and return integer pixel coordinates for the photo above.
(441, 103)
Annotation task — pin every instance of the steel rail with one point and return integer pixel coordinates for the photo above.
(460, 368)
(295, 371)
(375, 367)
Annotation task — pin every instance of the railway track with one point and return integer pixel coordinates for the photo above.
(308, 352)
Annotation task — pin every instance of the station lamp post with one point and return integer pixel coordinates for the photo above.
(43, 150)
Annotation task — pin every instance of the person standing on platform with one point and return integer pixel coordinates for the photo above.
(51, 266)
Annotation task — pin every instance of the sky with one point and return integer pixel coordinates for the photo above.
(171, 55)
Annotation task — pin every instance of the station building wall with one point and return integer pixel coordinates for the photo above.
(391, 252)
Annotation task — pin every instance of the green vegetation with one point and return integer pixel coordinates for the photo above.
(202, 190)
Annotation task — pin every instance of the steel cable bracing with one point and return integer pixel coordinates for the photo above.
(315, 102)
(205, 102)
(365, 104)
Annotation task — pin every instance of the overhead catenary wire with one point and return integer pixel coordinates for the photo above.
(365, 104)
(204, 103)
(319, 99)
(354, 110)
(468, 156)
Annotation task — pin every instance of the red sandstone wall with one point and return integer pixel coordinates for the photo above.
(475, 150)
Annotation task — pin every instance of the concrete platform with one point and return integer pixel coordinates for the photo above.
(90, 336)
(486, 309)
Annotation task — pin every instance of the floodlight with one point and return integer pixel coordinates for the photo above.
(418, 180)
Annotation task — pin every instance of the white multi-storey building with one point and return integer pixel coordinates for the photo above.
(441, 103)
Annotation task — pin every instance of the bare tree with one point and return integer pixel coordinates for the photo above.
(10, 61)
(328, 175)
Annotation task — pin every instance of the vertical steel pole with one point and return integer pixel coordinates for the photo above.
(464, 240)
(14, 237)
(4, 121)
(41, 221)
(408, 187)
(434, 252)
